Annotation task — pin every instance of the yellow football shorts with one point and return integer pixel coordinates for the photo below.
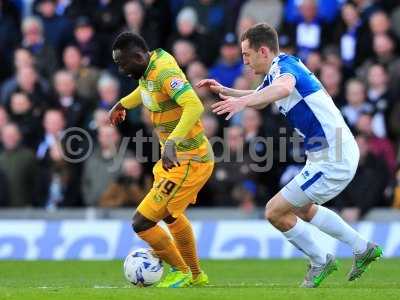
(175, 189)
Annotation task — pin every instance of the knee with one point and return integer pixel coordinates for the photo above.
(278, 218)
(271, 214)
(140, 224)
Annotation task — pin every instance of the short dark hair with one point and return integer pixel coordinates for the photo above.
(130, 40)
(262, 34)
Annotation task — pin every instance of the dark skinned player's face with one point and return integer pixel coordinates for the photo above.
(131, 63)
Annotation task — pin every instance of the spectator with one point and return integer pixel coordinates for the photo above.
(108, 89)
(210, 124)
(100, 119)
(87, 42)
(129, 188)
(53, 124)
(286, 44)
(252, 126)
(196, 70)
(230, 66)
(356, 102)
(233, 181)
(28, 81)
(379, 24)
(187, 29)
(384, 50)
(107, 17)
(27, 118)
(263, 11)
(57, 29)
(4, 119)
(331, 79)
(211, 15)
(327, 10)
(20, 167)
(135, 20)
(158, 20)
(57, 183)
(366, 8)
(184, 53)
(244, 24)
(66, 99)
(309, 31)
(380, 147)
(379, 95)
(331, 56)
(23, 58)
(34, 40)
(314, 62)
(86, 76)
(349, 35)
(100, 162)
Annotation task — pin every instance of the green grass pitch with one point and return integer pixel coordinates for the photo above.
(234, 279)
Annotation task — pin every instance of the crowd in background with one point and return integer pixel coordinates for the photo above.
(57, 73)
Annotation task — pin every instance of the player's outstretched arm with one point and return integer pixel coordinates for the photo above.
(118, 112)
(218, 88)
(281, 88)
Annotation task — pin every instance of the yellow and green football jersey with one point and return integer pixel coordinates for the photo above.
(163, 89)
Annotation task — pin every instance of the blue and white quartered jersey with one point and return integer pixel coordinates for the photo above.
(309, 108)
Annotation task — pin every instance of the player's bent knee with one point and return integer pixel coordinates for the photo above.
(271, 214)
(140, 223)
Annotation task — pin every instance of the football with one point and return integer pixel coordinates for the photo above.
(142, 268)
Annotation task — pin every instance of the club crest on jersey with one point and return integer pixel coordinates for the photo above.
(176, 84)
(282, 110)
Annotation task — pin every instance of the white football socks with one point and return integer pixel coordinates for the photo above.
(300, 236)
(332, 224)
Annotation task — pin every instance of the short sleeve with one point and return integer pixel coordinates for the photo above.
(282, 68)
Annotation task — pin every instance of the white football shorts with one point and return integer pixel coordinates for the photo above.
(326, 173)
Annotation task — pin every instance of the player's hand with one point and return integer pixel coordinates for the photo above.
(168, 157)
(117, 114)
(212, 84)
(230, 105)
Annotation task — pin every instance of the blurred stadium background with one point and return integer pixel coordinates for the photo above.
(57, 73)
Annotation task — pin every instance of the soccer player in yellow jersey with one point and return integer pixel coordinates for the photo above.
(186, 161)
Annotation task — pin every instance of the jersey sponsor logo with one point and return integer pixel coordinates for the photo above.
(176, 84)
(148, 101)
(150, 86)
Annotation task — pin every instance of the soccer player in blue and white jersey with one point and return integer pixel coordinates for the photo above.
(332, 153)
